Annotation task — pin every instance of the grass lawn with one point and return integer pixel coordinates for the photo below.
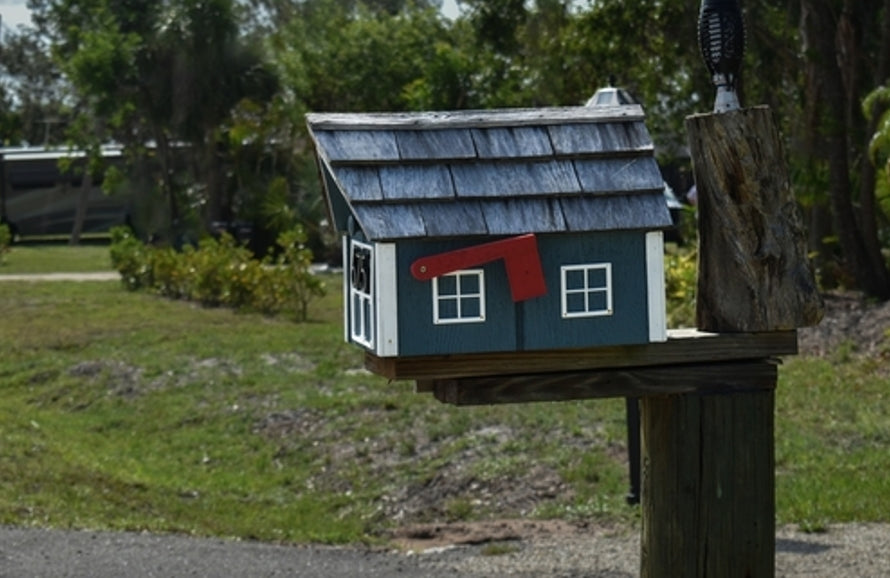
(55, 258)
(126, 411)
(832, 440)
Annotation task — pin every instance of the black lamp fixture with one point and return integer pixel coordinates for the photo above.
(721, 37)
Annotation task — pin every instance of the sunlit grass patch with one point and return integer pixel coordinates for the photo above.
(832, 440)
(56, 258)
(124, 410)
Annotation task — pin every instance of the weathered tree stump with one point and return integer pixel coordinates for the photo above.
(754, 274)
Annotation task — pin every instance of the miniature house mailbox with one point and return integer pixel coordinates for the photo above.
(495, 231)
(511, 256)
(515, 256)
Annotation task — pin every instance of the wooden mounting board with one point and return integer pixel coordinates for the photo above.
(683, 347)
(702, 379)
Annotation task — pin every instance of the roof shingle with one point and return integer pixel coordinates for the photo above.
(497, 172)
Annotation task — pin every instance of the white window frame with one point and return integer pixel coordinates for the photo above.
(361, 301)
(438, 298)
(586, 290)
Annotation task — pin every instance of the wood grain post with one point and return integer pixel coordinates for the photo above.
(709, 460)
(708, 493)
(754, 273)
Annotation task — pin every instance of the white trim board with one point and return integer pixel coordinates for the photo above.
(386, 300)
(655, 286)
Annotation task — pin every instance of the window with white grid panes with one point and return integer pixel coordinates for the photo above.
(459, 297)
(586, 290)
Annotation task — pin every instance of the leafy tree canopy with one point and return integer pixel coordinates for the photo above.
(227, 75)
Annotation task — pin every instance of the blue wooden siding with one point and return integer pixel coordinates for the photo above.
(417, 333)
(338, 209)
(536, 323)
(626, 251)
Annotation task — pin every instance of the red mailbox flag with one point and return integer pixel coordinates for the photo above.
(520, 255)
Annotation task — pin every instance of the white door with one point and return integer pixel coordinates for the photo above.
(361, 293)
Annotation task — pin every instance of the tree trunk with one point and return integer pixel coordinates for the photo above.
(80, 211)
(819, 230)
(820, 28)
(164, 153)
(868, 207)
(211, 174)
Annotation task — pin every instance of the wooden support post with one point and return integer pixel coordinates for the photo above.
(709, 460)
(708, 486)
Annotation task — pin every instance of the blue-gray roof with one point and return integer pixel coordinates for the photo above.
(493, 172)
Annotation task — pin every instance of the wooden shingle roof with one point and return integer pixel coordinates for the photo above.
(493, 172)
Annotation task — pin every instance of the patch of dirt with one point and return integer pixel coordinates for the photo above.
(120, 378)
(460, 487)
(851, 321)
(453, 490)
(292, 362)
(424, 537)
(281, 424)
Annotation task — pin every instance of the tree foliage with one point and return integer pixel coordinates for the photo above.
(163, 78)
(845, 55)
(33, 92)
(233, 79)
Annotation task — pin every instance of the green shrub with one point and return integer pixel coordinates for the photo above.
(168, 273)
(130, 258)
(245, 280)
(293, 275)
(209, 269)
(222, 273)
(681, 274)
(5, 242)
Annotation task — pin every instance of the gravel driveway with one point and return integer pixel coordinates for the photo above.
(854, 550)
